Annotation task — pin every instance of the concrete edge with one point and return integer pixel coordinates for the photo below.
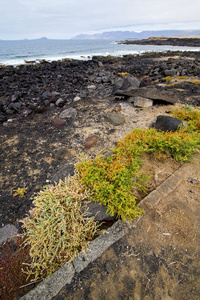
(51, 286)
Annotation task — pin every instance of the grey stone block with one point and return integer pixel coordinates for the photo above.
(141, 101)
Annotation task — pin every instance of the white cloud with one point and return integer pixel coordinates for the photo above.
(66, 18)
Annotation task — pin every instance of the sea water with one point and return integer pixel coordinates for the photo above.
(16, 52)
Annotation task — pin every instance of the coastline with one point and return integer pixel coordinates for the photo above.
(172, 41)
(17, 52)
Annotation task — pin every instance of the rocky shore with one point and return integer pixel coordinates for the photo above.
(172, 41)
(52, 113)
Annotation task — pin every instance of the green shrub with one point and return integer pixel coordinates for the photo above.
(191, 115)
(56, 230)
(168, 78)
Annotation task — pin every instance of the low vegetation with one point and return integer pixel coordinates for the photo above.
(20, 192)
(56, 230)
(171, 81)
(191, 115)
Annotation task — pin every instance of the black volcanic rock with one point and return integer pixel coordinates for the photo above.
(2, 118)
(166, 123)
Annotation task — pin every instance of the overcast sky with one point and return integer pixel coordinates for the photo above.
(62, 19)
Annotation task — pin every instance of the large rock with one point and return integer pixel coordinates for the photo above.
(125, 83)
(115, 118)
(68, 113)
(140, 101)
(197, 70)
(16, 106)
(61, 153)
(97, 210)
(67, 170)
(166, 123)
(15, 97)
(60, 102)
(171, 72)
(151, 93)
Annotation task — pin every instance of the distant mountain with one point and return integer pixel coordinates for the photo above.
(39, 39)
(43, 38)
(130, 35)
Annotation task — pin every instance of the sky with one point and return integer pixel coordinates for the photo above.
(63, 19)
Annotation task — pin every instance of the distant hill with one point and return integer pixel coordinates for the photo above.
(132, 35)
(26, 39)
(43, 38)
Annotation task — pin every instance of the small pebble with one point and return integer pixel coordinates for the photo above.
(108, 267)
(91, 141)
(58, 123)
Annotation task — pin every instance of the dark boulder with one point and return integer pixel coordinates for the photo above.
(197, 70)
(15, 97)
(125, 83)
(2, 118)
(16, 106)
(97, 210)
(67, 170)
(61, 153)
(145, 82)
(166, 123)
(171, 72)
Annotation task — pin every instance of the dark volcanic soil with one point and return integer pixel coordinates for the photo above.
(31, 96)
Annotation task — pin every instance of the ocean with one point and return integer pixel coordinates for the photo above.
(16, 52)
